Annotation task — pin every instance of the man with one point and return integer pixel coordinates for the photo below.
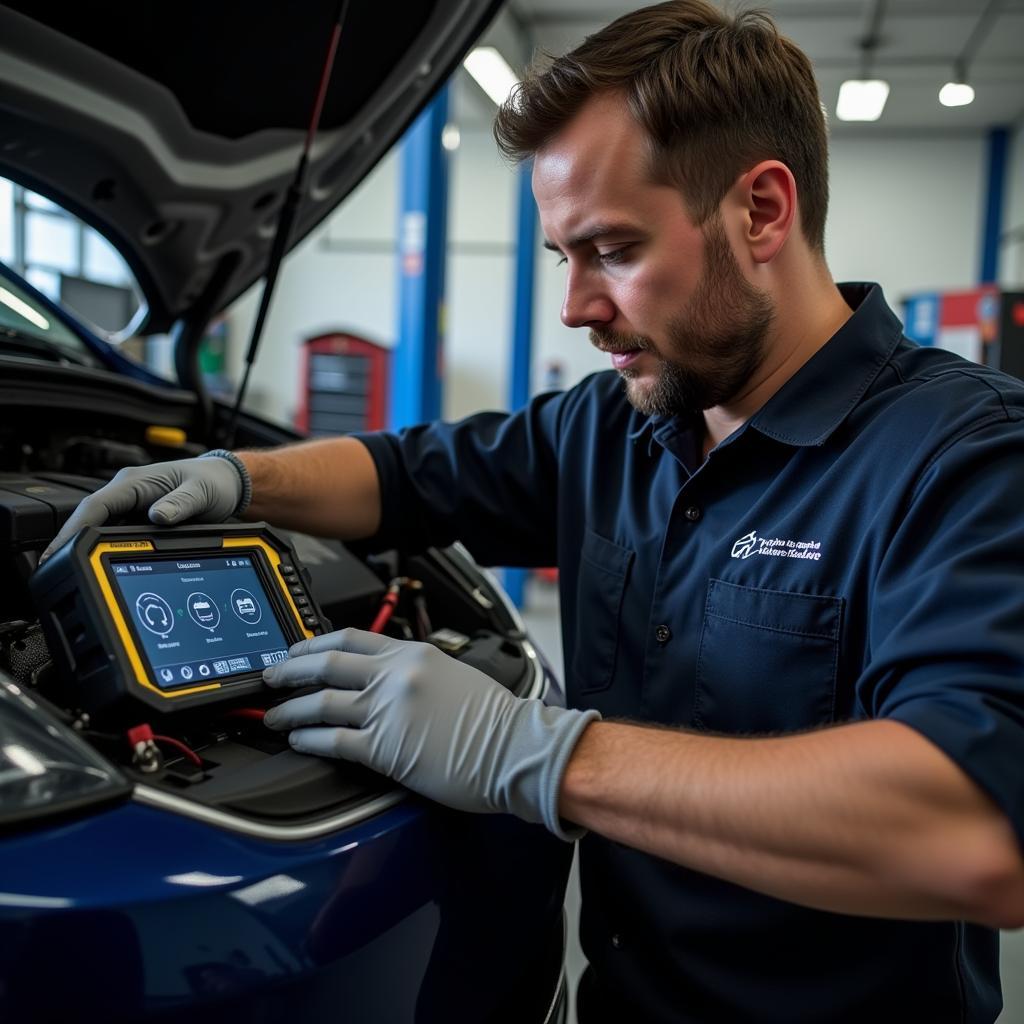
(791, 558)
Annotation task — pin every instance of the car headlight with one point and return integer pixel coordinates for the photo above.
(45, 768)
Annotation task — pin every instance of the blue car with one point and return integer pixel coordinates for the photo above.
(226, 874)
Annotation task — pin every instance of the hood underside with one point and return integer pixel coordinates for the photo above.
(175, 129)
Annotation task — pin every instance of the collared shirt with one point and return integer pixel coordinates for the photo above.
(854, 551)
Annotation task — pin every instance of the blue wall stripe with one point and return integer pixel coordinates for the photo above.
(998, 152)
(522, 326)
(416, 366)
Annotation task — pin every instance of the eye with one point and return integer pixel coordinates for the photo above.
(615, 256)
(562, 262)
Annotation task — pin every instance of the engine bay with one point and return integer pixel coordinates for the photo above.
(214, 760)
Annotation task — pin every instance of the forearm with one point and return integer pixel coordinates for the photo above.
(328, 488)
(868, 818)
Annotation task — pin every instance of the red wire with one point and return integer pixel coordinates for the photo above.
(179, 746)
(387, 608)
(245, 713)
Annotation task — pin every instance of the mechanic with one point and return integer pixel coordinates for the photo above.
(791, 554)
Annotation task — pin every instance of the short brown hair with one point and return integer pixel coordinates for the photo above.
(715, 94)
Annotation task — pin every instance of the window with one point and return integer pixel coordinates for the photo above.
(66, 260)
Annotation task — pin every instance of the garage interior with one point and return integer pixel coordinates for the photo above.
(927, 199)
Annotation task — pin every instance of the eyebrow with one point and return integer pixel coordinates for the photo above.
(597, 231)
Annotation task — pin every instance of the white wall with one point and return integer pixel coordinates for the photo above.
(345, 275)
(481, 277)
(905, 212)
(322, 287)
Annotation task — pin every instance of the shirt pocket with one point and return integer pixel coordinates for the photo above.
(604, 569)
(767, 660)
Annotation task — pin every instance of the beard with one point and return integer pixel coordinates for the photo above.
(715, 343)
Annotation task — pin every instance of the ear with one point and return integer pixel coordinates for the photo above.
(767, 196)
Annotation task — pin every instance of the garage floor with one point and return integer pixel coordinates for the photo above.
(541, 616)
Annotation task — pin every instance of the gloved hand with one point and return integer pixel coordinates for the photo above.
(441, 728)
(207, 489)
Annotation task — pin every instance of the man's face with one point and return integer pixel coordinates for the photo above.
(666, 298)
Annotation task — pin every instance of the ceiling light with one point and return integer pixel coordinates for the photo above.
(862, 99)
(451, 137)
(492, 72)
(956, 94)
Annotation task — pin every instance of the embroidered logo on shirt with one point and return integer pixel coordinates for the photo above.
(775, 547)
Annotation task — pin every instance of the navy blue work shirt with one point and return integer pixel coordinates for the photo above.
(854, 551)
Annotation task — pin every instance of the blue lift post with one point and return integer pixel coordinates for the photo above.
(522, 327)
(416, 366)
(998, 151)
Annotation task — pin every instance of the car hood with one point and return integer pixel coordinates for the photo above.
(175, 129)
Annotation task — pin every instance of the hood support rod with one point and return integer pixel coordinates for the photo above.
(285, 221)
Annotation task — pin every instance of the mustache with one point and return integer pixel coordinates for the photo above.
(612, 341)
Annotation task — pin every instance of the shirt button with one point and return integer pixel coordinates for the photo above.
(663, 634)
(692, 513)
(617, 941)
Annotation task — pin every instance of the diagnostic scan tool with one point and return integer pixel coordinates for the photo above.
(175, 619)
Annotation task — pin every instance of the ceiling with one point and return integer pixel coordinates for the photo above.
(918, 44)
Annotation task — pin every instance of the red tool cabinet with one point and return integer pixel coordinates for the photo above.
(344, 385)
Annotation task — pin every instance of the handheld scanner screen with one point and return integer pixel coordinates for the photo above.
(198, 619)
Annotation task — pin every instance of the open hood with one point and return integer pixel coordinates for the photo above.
(175, 129)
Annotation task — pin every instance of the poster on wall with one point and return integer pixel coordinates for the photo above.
(921, 317)
(966, 323)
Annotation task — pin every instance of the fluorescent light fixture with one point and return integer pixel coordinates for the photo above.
(492, 72)
(862, 99)
(451, 137)
(956, 94)
(23, 309)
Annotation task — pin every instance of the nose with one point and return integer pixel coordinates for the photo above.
(585, 303)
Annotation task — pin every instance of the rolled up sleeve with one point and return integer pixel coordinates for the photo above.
(947, 613)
